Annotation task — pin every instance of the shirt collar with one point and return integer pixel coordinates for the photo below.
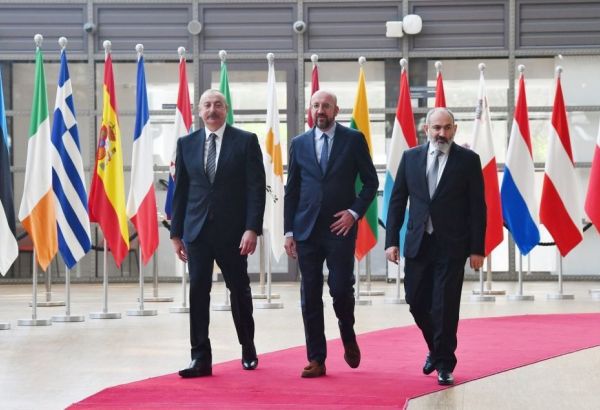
(330, 132)
(219, 132)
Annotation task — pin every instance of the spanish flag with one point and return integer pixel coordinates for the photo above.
(37, 212)
(367, 226)
(107, 193)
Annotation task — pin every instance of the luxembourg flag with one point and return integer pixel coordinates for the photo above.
(404, 136)
(183, 126)
(592, 200)
(560, 210)
(519, 206)
(141, 204)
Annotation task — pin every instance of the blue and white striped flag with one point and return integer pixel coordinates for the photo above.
(67, 174)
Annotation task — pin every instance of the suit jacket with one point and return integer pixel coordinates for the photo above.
(236, 199)
(309, 193)
(457, 209)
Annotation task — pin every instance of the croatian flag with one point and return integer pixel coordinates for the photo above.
(72, 217)
(560, 210)
(183, 126)
(141, 204)
(519, 206)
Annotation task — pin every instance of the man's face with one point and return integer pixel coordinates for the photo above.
(213, 111)
(323, 110)
(440, 130)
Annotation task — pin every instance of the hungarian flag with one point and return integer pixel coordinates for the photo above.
(519, 206)
(367, 226)
(37, 212)
(141, 203)
(314, 87)
(274, 170)
(224, 88)
(440, 97)
(592, 199)
(107, 193)
(68, 182)
(183, 126)
(482, 144)
(9, 249)
(560, 210)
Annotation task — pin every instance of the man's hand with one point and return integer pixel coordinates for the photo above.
(248, 243)
(180, 249)
(476, 261)
(343, 224)
(393, 254)
(290, 247)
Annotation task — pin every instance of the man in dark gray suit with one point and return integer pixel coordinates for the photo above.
(320, 212)
(446, 224)
(218, 208)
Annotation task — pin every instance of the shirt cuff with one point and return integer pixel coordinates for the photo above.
(289, 234)
(354, 214)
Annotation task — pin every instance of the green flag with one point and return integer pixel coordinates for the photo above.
(224, 88)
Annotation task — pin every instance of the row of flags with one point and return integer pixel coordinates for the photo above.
(54, 209)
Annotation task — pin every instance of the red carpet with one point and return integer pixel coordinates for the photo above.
(389, 374)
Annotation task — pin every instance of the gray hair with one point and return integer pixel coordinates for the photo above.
(211, 92)
(436, 109)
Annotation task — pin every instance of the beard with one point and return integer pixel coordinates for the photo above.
(323, 122)
(441, 143)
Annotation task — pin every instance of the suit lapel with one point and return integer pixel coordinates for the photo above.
(198, 144)
(422, 168)
(448, 171)
(226, 147)
(338, 141)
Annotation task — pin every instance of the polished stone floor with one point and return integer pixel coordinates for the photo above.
(50, 367)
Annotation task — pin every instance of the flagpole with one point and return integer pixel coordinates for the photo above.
(67, 317)
(155, 297)
(268, 304)
(105, 314)
(370, 292)
(140, 311)
(48, 281)
(481, 296)
(560, 295)
(358, 300)
(398, 299)
(34, 321)
(519, 295)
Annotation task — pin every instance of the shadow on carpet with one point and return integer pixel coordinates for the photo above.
(389, 374)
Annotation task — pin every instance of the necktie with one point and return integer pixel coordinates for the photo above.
(324, 153)
(211, 159)
(432, 177)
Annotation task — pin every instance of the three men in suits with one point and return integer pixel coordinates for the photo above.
(320, 212)
(218, 208)
(446, 224)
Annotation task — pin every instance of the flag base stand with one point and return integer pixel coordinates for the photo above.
(4, 326)
(482, 298)
(592, 291)
(269, 305)
(34, 322)
(265, 296)
(363, 302)
(105, 315)
(372, 293)
(559, 296)
(142, 312)
(518, 298)
(68, 318)
(221, 307)
(596, 296)
(157, 299)
(49, 304)
(180, 309)
(395, 301)
(490, 292)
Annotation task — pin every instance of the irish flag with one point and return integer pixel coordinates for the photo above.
(107, 193)
(367, 226)
(37, 212)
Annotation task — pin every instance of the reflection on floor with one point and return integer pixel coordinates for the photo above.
(51, 367)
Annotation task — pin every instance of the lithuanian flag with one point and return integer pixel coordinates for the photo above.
(107, 193)
(367, 226)
(37, 213)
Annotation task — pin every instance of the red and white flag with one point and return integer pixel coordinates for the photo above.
(560, 209)
(314, 87)
(440, 96)
(483, 145)
(592, 200)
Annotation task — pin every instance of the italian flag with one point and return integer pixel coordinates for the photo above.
(367, 226)
(37, 212)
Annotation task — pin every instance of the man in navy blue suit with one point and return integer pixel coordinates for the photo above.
(320, 212)
(218, 208)
(446, 224)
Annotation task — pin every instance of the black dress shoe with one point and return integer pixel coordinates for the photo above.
(445, 378)
(196, 368)
(249, 358)
(352, 354)
(428, 367)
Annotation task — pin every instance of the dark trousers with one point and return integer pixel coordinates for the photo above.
(433, 285)
(202, 253)
(338, 252)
